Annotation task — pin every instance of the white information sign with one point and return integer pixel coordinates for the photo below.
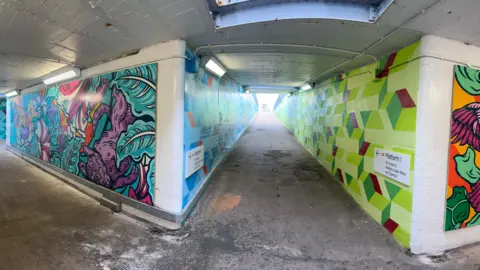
(195, 159)
(393, 165)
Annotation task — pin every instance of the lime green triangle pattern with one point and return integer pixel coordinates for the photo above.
(392, 189)
(394, 109)
(348, 178)
(365, 115)
(375, 121)
(368, 187)
(382, 93)
(386, 213)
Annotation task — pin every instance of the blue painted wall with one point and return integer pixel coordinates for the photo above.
(3, 119)
(216, 113)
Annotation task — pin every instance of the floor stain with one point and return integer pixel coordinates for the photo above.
(225, 202)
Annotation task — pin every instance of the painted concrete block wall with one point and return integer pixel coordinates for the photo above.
(101, 129)
(439, 57)
(3, 119)
(216, 114)
(344, 119)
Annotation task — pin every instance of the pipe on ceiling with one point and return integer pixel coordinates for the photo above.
(399, 65)
(423, 12)
(37, 58)
(283, 45)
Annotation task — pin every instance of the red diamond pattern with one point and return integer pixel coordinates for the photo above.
(364, 148)
(335, 149)
(390, 225)
(405, 99)
(376, 184)
(340, 175)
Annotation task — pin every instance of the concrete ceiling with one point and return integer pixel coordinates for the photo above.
(40, 36)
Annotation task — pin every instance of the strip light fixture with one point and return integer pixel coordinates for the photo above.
(305, 87)
(215, 67)
(71, 73)
(11, 93)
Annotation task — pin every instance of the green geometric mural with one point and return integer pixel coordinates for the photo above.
(344, 119)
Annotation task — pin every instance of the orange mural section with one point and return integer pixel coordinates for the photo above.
(463, 188)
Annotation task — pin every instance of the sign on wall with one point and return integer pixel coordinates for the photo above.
(393, 165)
(195, 160)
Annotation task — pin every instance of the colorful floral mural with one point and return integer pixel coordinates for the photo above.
(463, 190)
(3, 119)
(216, 114)
(345, 118)
(101, 129)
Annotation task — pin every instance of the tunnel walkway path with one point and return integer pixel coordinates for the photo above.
(271, 206)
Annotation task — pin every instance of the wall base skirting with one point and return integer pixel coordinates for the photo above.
(127, 205)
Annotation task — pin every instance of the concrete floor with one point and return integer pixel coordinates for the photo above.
(272, 206)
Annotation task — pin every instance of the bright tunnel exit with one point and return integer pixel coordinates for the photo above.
(266, 102)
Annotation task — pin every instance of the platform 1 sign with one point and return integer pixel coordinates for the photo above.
(393, 165)
(195, 160)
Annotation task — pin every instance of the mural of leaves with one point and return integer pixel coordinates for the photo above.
(466, 167)
(70, 157)
(469, 79)
(139, 140)
(138, 87)
(458, 209)
(101, 129)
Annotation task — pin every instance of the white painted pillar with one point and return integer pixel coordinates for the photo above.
(432, 146)
(169, 132)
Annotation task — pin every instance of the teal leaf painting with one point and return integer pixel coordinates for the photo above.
(457, 210)
(137, 141)
(466, 168)
(151, 176)
(70, 157)
(468, 79)
(139, 87)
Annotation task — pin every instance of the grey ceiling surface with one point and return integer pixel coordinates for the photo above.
(40, 36)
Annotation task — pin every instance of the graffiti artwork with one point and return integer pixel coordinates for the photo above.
(101, 129)
(463, 191)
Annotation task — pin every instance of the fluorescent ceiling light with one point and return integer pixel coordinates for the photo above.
(69, 74)
(215, 67)
(11, 93)
(306, 87)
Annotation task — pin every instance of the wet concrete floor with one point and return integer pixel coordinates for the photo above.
(271, 206)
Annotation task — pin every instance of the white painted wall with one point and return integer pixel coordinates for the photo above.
(170, 57)
(433, 138)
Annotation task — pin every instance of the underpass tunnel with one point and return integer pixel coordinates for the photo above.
(316, 133)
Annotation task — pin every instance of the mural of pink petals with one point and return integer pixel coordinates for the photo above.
(466, 125)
